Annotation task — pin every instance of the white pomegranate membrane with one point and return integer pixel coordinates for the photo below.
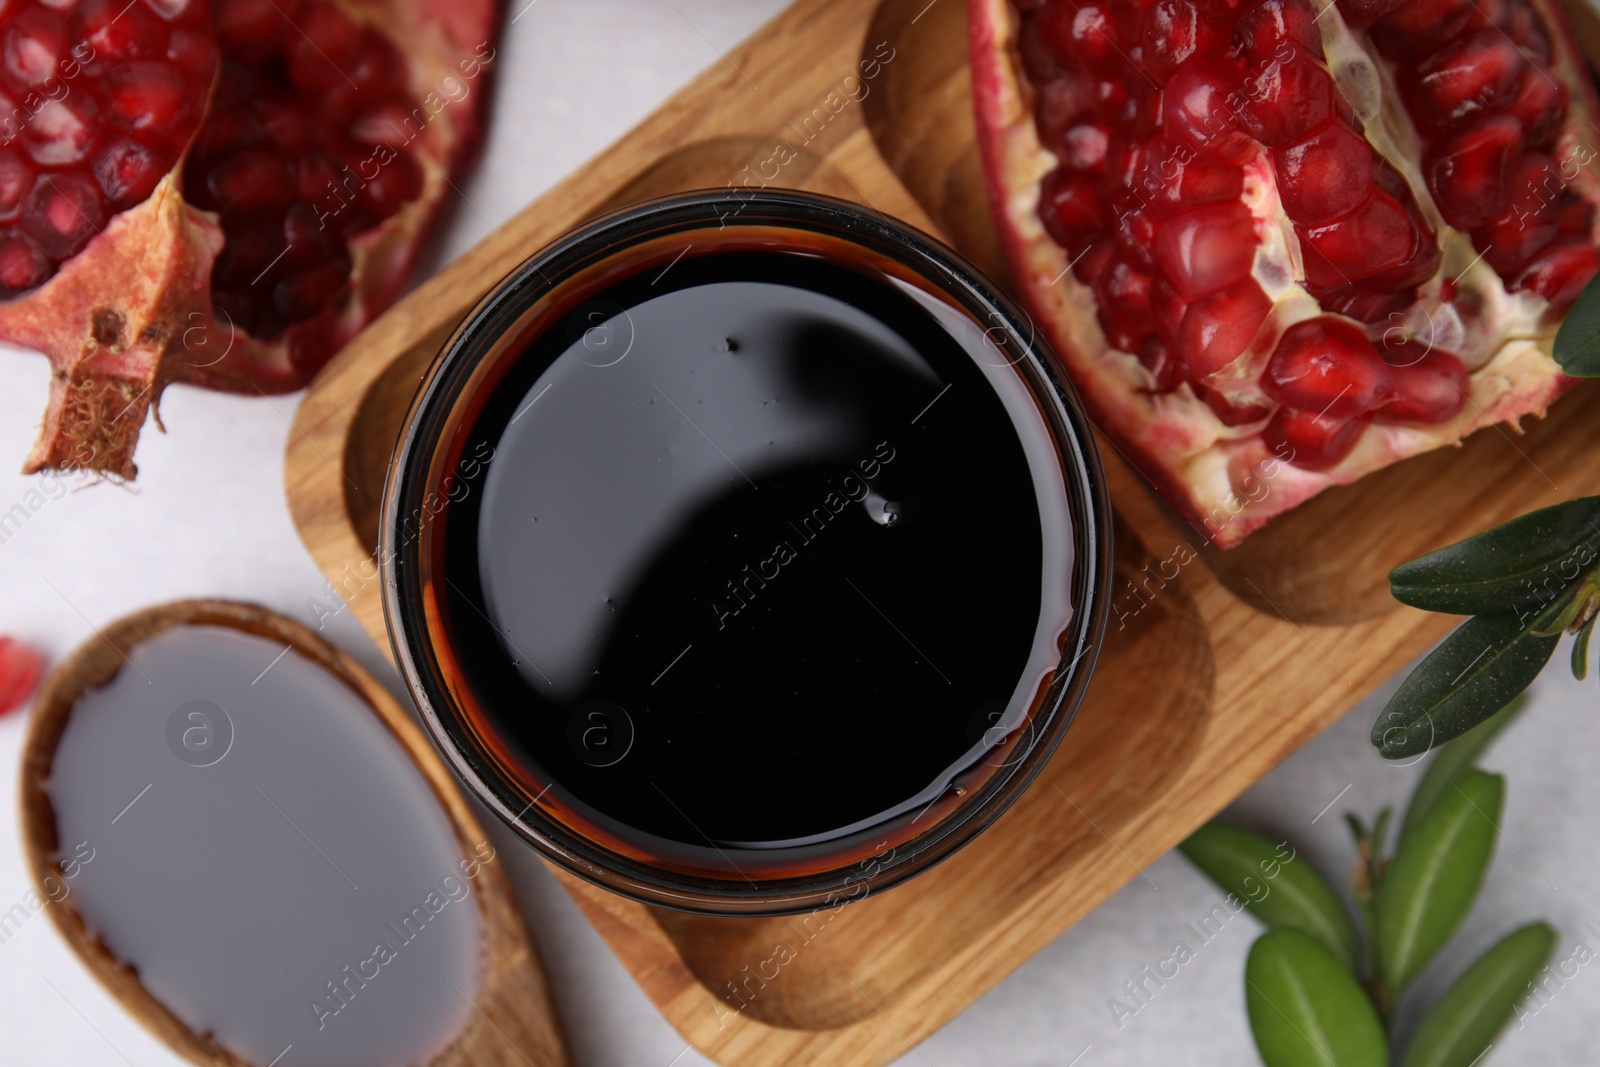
(1305, 231)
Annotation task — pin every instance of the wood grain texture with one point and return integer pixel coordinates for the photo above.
(514, 1023)
(1209, 678)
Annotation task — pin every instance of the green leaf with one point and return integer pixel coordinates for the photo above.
(1305, 1009)
(1451, 760)
(1465, 1021)
(1281, 891)
(1505, 570)
(1471, 675)
(1578, 341)
(1435, 876)
(1580, 651)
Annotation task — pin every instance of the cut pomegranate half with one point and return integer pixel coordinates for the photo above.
(219, 192)
(1280, 244)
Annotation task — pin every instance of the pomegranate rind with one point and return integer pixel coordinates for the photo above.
(132, 313)
(1226, 482)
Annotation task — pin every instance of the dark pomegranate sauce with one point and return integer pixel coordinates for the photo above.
(761, 556)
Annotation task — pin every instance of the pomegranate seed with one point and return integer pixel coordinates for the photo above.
(1421, 27)
(1217, 329)
(1231, 411)
(148, 95)
(1328, 367)
(304, 294)
(1468, 171)
(1540, 106)
(253, 31)
(1260, 29)
(1124, 292)
(63, 213)
(1083, 147)
(1207, 249)
(119, 31)
(1197, 113)
(195, 51)
(395, 127)
(128, 172)
(1169, 308)
(1308, 442)
(289, 129)
(1289, 100)
(1175, 31)
(1576, 217)
(396, 183)
(325, 47)
(226, 133)
(1325, 175)
(1560, 274)
(1480, 71)
(1069, 207)
(34, 46)
(1377, 235)
(20, 667)
(22, 265)
(1363, 13)
(371, 78)
(310, 242)
(1431, 389)
(1166, 369)
(1198, 184)
(62, 132)
(1084, 34)
(250, 184)
(16, 178)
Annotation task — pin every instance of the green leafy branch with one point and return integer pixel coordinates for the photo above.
(1315, 999)
(1524, 583)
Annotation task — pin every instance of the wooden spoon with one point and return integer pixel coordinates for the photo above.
(514, 1019)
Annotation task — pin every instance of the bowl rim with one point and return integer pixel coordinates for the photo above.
(675, 216)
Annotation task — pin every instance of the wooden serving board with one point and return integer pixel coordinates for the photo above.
(1217, 666)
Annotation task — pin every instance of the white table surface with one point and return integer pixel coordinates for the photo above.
(207, 517)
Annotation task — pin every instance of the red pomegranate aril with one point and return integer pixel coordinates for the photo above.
(1363, 13)
(1175, 31)
(1083, 147)
(20, 668)
(1288, 100)
(327, 43)
(62, 132)
(1324, 175)
(195, 51)
(1377, 235)
(1199, 183)
(1124, 292)
(254, 30)
(34, 46)
(128, 172)
(1479, 71)
(1084, 34)
(1429, 390)
(1469, 171)
(1312, 443)
(1262, 28)
(250, 184)
(1217, 329)
(1560, 274)
(63, 214)
(118, 31)
(289, 128)
(147, 95)
(16, 178)
(22, 265)
(1090, 265)
(395, 183)
(1157, 358)
(226, 133)
(1069, 208)
(304, 294)
(1540, 106)
(1231, 411)
(1169, 308)
(1197, 112)
(1207, 249)
(249, 256)
(1328, 367)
